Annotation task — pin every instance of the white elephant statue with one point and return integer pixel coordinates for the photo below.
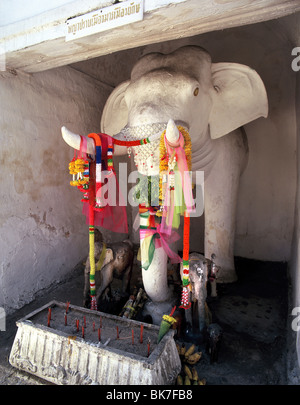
(210, 100)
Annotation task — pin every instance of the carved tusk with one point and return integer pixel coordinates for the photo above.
(73, 140)
(172, 133)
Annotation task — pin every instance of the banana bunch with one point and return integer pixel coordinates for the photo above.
(188, 356)
(191, 357)
(190, 377)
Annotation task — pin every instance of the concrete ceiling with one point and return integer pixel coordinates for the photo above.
(39, 44)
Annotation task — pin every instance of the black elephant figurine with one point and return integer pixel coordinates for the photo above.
(214, 337)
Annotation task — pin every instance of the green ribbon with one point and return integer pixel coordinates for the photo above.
(151, 246)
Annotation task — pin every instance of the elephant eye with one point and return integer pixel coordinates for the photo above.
(196, 91)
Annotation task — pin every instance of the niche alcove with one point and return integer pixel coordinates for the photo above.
(45, 218)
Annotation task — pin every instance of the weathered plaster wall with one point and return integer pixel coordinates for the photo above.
(43, 234)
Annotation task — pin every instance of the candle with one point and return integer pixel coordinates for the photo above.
(117, 332)
(141, 334)
(93, 326)
(100, 322)
(132, 333)
(82, 332)
(99, 334)
(67, 308)
(84, 321)
(77, 325)
(65, 319)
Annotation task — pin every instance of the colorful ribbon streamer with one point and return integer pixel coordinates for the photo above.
(179, 200)
(151, 239)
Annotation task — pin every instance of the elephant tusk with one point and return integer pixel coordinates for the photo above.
(74, 140)
(172, 133)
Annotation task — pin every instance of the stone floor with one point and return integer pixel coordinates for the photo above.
(257, 346)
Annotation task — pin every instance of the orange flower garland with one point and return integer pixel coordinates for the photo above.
(164, 161)
(164, 170)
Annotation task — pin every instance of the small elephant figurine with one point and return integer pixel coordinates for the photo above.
(214, 337)
(213, 270)
(201, 270)
(117, 261)
(198, 273)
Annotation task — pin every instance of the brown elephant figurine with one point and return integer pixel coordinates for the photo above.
(115, 261)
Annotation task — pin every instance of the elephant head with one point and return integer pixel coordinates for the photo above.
(209, 99)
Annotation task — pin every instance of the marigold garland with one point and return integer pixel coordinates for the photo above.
(164, 160)
(166, 169)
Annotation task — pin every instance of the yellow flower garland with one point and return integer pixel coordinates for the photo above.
(163, 160)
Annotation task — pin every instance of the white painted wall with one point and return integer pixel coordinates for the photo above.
(43, 233)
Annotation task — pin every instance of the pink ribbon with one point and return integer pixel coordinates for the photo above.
(186, 183)
(163, 241)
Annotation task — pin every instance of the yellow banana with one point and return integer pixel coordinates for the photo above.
(187, 381)
(194, 358)
(182, 350)
(195, 382)
(179, 380)
(195, 374)
(202, 382)
(190, 351)
(188, 372)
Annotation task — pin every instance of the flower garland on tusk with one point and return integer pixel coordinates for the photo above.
(166, 165)
(79, 168)
(169, 160)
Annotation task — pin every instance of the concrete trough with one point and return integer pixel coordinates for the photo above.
(64, 353)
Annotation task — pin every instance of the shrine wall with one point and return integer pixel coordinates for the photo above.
(43, 232)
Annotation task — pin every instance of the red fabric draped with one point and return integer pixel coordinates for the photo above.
(112, 217)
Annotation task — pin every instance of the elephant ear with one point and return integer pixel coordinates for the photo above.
(115, 112)
(240, 97)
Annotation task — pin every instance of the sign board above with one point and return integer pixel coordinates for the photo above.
(105, 19)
